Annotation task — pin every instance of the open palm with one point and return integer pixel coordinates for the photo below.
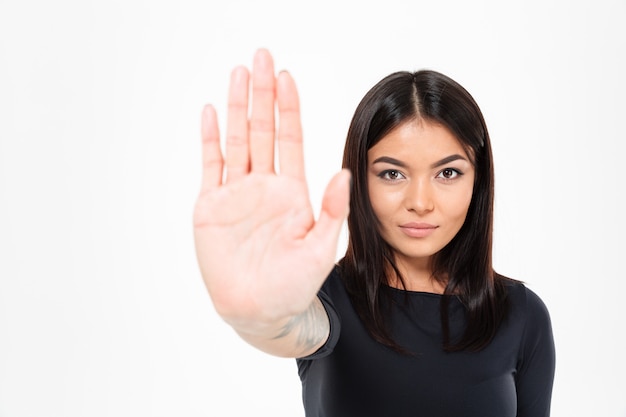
(262, 254)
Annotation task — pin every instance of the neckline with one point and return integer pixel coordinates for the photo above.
(411, 292)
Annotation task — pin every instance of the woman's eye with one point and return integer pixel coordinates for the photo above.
(391, 175)
(449, 173)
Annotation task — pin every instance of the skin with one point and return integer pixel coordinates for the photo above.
(262, 254)
(420, 182)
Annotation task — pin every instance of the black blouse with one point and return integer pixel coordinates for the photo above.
(353, 375)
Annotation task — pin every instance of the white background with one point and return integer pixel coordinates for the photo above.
(102, 309)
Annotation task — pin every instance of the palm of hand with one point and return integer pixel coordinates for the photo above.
(255, 232)
(261, 253)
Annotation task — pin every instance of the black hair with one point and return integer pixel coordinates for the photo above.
(464, 265)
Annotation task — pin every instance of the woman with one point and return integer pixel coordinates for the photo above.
(413, 320)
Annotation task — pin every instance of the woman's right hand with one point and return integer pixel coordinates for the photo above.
(262, 254)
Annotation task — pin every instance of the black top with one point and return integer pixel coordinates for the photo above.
(353, 375)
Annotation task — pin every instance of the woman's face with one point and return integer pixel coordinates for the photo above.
(420, 182)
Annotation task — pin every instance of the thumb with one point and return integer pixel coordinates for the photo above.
(335, 208)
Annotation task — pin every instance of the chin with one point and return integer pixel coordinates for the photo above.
(413, 255)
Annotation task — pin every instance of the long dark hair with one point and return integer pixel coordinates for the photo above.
(465, 264)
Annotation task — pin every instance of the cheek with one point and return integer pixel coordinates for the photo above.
(454, 206)
(384, 203)
(461, 205)
(377, 203)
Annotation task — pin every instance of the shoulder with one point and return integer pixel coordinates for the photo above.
(536, 354)
(524, 300)
(529, 314)
(334, 280)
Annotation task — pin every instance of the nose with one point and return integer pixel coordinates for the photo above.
(419, 196)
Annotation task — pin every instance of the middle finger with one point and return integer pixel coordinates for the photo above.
(262, 128)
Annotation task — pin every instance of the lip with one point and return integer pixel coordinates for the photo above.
(418, 229)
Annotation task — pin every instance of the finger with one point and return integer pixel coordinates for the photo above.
(212, 160)
(290, 127)
(237, 151)
(262, 118)
(335, 208)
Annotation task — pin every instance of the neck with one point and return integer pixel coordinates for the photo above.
(416, 275)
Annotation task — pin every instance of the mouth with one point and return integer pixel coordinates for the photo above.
(418, 229)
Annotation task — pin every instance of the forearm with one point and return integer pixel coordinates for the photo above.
(294, 337)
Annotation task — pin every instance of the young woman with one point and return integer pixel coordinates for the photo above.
(413, 320)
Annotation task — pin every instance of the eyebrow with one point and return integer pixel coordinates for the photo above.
(448, 159)
(390, 160)
(401, 164)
